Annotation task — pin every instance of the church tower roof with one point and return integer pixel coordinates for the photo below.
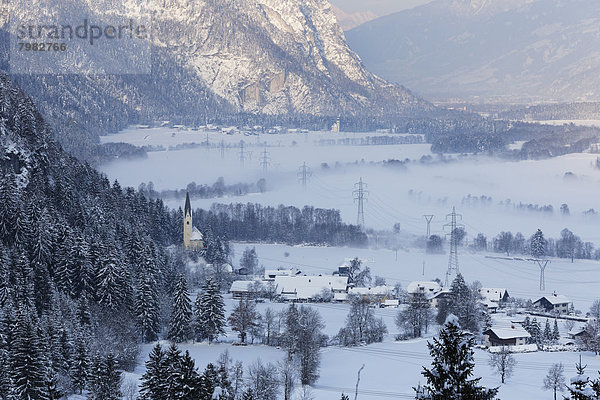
(188, 208)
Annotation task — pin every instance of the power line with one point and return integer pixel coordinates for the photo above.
(304, 174)
(242, 153)
(542, 264)
(265, 160)
(453, 259)
(360, 195)
(428, 218)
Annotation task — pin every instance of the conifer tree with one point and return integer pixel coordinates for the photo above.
(555, 331)
(209, 312)
(105, 379)
(81, 268)
(181, 316)
(146, 307)
(81, 363)
(248, 395)
(111, 282)
(64, 264)
(464, 304)
(27, 366)
(173, 370)
(538, 244)
(189, 379)
(535, 331)
(580, 389)
(452, 367)
(154, 381)
(208, 381)
(547, 332)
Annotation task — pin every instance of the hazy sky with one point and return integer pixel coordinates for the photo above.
(379, 7)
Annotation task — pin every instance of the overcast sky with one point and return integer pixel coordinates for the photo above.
(379, 7)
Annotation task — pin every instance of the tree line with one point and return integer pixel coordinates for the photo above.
(282, 224)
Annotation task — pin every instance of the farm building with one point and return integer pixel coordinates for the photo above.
(513, 335)
(554, 302)
(306, 287)
(495, 295)
(423, 288)
(241, 289)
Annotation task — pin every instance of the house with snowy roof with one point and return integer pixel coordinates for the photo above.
(306, 287)
(270, 274)
(511, 335)
(242, 289)
(496, 295)
(554, 302)
(374, 293)
(442, 295)
(428, 289)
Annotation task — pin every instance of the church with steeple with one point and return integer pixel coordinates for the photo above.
(192, 237)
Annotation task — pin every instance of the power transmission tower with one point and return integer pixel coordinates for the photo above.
(242, 154)
(207, 143)
(222, 147)
(542, 264)
(428, 218)
(360, 196)
(453, 259)
(265, 160)
(304, 174)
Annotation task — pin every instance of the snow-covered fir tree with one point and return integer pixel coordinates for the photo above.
(580, 385)
(452, 367)
(209, 312)
(105, 379)
(28, 371)
(538, 244)
(153, 382)
(180, 328)
(146, 307)
(81, 363)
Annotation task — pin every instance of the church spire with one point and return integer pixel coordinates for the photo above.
(188, 208)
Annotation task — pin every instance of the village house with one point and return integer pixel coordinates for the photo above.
(306, 287)
(270, 274)
(442, 295)
(513, 335)
(243, 289)
(554, 302)
(428, 289)
(495, 295)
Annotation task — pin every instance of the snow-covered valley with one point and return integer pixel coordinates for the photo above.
(392, 368)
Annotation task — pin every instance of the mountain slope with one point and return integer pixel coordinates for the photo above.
(215, 58)
(509, 49)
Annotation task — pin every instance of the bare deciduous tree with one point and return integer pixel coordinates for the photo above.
(555, 379)
(503, 363)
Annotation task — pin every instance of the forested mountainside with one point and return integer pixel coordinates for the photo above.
(83, 266)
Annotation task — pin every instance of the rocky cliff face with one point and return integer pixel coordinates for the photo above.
(260, 56)
(276, 57)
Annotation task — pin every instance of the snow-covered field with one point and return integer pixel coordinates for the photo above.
(391, 368)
